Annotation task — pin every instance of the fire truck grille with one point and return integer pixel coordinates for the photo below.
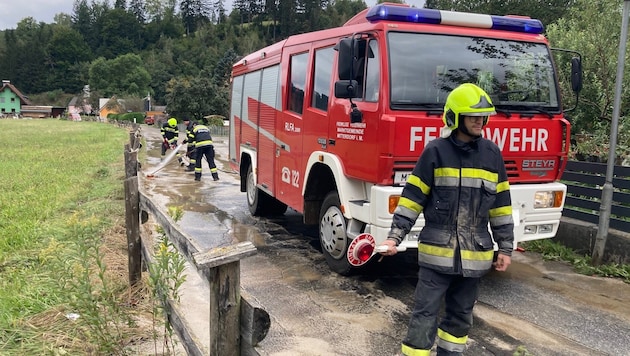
(404, 165)
(510, 166)
(512, 169)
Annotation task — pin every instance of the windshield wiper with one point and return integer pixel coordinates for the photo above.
(432, 107)
(509, 109)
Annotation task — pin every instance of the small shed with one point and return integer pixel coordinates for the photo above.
(42, 111)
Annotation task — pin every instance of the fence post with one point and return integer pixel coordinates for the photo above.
(221, 267)
(224, 317)
(132, 215)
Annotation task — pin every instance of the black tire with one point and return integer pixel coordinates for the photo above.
(259, 202)
(332, 235)
(253, 194)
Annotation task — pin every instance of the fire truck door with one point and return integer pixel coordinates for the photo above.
(289, 131)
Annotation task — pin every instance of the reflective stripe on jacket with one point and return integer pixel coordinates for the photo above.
(190, 136)
(461, 188)
(170, 133)
(202, 136)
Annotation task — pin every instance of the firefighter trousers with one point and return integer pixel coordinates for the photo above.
(459, 295)
(208, 152)
(192, 156)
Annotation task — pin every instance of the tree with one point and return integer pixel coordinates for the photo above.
(223, 68)
(219, 14)
(120, 4)
(343, 10)
(27, 56)
(119, 33)
(197, 97)
(67, 55)
(138, 10)
(63, 19)
(123, 75)
(194, 13)
(593, 29)
(84, 20)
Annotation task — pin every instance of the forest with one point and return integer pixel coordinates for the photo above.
(180, 52)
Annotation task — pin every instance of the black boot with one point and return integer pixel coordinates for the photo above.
(215, 177)
(197, 176)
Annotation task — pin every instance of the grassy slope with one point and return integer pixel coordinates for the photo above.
(61, 188)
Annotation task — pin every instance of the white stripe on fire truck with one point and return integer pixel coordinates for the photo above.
(268, 135)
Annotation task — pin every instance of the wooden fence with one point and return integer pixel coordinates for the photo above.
(585, 181)
(235, 324)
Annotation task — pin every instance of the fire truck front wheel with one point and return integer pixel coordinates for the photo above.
(332, 234)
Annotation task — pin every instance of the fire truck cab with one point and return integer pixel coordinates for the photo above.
(330, 123)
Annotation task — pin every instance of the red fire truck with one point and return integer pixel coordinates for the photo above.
(330, 123)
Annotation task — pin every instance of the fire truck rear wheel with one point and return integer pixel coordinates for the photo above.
(259, 202)
(332, 234)
(254, 195)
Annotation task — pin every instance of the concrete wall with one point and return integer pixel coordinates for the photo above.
(581, 237)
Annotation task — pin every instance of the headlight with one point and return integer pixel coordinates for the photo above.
(548, 199)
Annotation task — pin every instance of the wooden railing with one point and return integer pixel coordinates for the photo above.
(585, 181)
(235, 324)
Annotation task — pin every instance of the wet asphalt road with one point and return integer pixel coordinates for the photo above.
(543, 308)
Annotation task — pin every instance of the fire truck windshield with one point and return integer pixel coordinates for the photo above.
(426, 67)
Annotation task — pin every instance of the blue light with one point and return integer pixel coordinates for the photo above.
(399, 13)
(403, 14)
(517, 24)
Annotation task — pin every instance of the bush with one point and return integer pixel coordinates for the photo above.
(137, 117)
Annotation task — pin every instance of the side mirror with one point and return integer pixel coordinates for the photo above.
(576, 74)
(345, 59)
(346, 89)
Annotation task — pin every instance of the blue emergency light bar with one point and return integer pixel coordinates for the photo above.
(383, 12)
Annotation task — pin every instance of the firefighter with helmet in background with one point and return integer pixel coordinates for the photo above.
(461, 186)
(170, 135)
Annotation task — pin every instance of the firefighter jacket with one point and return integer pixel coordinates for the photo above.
(461, 188)
(201, 136)
(190, 137)
(171, 134)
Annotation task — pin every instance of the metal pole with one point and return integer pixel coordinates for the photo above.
(607, 192)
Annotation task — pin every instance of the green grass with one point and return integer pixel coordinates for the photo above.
(553, 251)
(61, 193)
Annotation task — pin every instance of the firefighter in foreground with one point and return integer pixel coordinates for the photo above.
(202, 141)
(460, 184)
(170, 135)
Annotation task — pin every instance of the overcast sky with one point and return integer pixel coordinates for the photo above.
(13, 11)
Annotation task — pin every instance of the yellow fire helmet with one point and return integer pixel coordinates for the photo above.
(172, 122)
(467, 99)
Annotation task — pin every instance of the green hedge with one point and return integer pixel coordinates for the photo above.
(128, 116)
